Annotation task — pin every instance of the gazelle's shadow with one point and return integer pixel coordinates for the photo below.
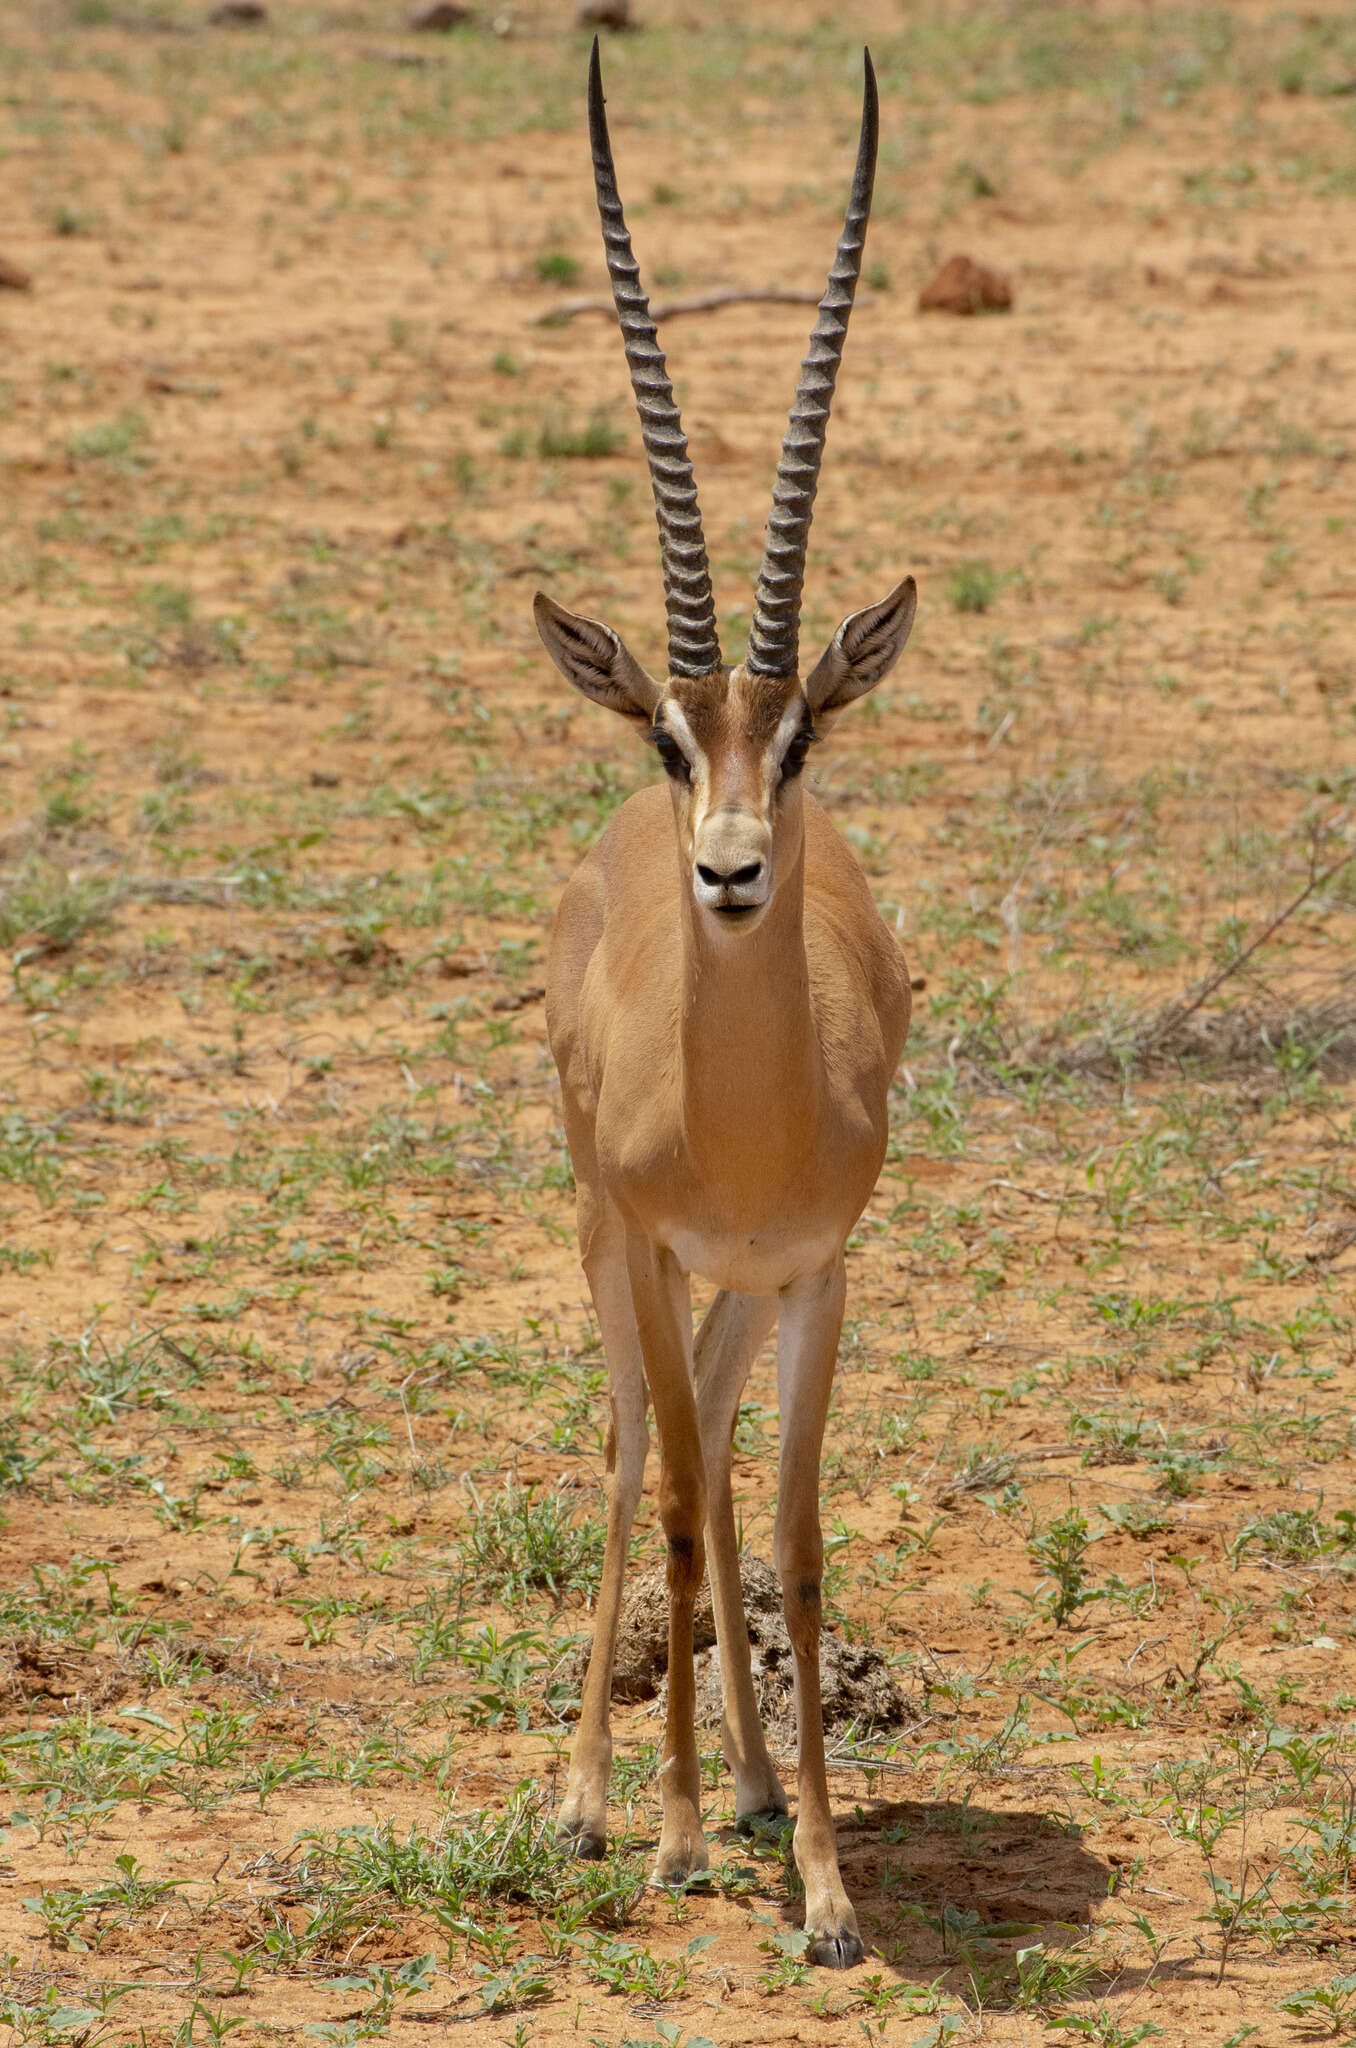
(928, 1875)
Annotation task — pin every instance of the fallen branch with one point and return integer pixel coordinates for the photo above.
(670, 309)
(1176, 1014)
(217, 890)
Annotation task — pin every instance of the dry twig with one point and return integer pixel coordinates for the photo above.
(566, 310)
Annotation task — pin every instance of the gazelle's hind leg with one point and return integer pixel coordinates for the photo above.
(727, 1344)
(583, 1815)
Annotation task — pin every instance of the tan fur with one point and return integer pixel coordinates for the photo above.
(725, 1090)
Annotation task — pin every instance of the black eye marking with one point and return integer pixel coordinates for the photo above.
(674, 760)
(793, 760)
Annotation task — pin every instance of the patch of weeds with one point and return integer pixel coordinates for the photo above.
(360, 1876)
(1103, 2028)
(511, 1675)
(29, 1155)
(382, 1987)
(973, 587)
(1138, 1518)
(555, 266)
(626, 1970)
(54, 2025)
(1329, 2008)
(558, 439)
(64, 1913)
(120, 442)
(1297, 1535)
(511, 1986)
(522, 1541)
(44, 910)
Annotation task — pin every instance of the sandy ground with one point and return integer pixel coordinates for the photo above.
(296, 1364)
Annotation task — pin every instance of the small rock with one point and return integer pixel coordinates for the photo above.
(613, 14)
(459, 966)
(517, 999)
(237, 14)
(435, 17)
(12, 279)
(964, 286)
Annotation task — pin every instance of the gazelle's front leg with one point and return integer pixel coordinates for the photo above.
(659, 1290)
(727, 1344)
(582, 1825)
(807, 1350)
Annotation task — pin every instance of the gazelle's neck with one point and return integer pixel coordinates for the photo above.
(750, 1060)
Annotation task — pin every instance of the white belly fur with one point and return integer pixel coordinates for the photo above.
(753, 1265)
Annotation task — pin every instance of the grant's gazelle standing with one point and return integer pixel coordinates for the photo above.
(726, 1009)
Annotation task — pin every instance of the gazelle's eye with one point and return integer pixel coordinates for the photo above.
(670, 753)
(793, 760)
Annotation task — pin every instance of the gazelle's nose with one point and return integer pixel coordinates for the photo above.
(734, 878)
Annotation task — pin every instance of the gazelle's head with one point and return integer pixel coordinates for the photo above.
(733, 740)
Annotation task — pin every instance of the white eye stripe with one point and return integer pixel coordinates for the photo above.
(790, 723)
(678, 729)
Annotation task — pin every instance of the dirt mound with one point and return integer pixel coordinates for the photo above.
(35, 1671)
(856, 1681)
(964, 286)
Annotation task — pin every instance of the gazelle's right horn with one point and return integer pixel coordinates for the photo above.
(774, 638)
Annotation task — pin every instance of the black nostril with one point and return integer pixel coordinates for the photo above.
(732, 881)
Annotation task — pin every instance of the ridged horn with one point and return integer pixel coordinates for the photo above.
(774, 637)
(694, 648)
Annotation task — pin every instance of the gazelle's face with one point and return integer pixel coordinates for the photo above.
(733, 742)
(733, 746)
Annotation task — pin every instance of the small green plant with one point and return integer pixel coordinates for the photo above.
(1296, 1535)
(1331, 2006)
(553, 266)
(973, 587)
(1061, 1549)
(559, 440)
(382, 1987)
(113, 441)
(625, 1970)
(1103, 2028)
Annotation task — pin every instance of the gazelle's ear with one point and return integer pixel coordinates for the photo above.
(866, 647)
(595, 659)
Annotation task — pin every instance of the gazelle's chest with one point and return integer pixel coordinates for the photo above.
(751, 1205)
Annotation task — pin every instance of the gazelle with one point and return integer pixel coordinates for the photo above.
(726, 1009)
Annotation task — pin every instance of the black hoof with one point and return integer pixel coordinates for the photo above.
(836, 1951)
(580, 1842)
(768, 1824)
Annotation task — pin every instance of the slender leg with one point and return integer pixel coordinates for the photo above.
(663, 1308)
(583, 1815)
(807, 1350)
(726, 1347)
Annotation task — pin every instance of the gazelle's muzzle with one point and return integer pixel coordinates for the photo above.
(732, 862)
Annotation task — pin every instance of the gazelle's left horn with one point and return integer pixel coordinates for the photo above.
(694, 647)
